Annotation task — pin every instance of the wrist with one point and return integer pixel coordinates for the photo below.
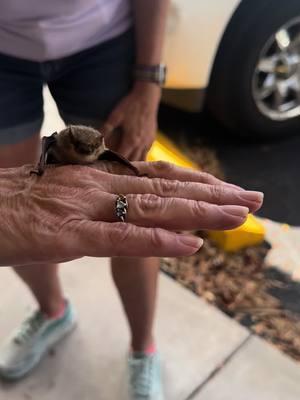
(148, 90)
(146, 86)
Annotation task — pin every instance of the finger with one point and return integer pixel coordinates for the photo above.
(162, 169)
(144, 155)
(125, 147)
(144, 152)
(216, 194)
(113, 140)
(101, 239)
(169, 213)
(182, 214)
(106, 129)
(132, 154)
(136, 154)
(113, 121)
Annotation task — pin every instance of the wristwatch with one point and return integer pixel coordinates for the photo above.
(151, 73)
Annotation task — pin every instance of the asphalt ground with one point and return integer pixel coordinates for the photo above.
(272, 167)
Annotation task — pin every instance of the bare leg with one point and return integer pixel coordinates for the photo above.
(136, 280)
(25, 152)
(42, 280)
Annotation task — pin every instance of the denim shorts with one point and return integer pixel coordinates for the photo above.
(85, 86)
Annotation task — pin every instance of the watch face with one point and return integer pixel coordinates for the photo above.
(162, 74)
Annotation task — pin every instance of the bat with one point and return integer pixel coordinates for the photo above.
(77, 144)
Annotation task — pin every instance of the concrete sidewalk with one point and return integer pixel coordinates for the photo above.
(206, 355)
(285, 252)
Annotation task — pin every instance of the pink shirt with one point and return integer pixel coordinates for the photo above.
(43, 30)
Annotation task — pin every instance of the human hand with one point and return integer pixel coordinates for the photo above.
(136, 115)
(69, 212)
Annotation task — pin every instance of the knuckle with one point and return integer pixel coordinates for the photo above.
(148, 202)
(216, 193)
(167, 186)
(118, 236)
(199, 209)
(155, 238)
(163, 166)
(206, 177)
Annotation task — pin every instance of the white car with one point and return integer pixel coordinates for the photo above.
(239, 59)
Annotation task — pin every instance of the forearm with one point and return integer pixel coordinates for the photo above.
(150, 20)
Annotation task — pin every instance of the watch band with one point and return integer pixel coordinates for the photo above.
(151, 73)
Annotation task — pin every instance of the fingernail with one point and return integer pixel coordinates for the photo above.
(236, 211)
(192, 241)
(256, 197)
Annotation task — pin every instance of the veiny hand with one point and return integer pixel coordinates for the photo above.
(69, 212)
(136, 116)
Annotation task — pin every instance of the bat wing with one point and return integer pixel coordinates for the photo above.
(110, 155)
(47, 142)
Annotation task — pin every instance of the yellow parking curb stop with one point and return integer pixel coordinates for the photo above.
(251, 233)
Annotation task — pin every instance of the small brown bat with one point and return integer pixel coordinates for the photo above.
(77, 144)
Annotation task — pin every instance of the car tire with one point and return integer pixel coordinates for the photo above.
(230, 93)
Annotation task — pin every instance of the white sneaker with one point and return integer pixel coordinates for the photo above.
(24, 349)
(145, 381)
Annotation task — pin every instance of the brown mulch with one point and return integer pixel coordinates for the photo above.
(241, 284)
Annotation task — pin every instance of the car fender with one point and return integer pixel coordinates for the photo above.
(193, 34)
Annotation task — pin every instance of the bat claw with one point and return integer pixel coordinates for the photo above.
(37, 171)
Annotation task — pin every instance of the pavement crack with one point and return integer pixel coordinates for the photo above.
(215, 372)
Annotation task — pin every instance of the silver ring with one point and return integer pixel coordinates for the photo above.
(121, 207)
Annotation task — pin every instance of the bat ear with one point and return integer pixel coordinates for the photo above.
(71, 132)
(101, 140)
(54, 134)
(100, 135)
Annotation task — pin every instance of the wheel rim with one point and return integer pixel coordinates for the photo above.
(276, 81)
